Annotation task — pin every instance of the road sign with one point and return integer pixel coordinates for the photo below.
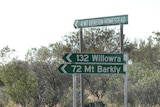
(92, 69)
(102, 21)
(94, 57)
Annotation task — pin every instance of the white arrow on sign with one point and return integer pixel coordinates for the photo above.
(68, 57)
(63, 68)
(76, 24)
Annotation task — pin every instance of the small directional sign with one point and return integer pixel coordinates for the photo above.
(92, 69)
(102, 21)
(94, 57)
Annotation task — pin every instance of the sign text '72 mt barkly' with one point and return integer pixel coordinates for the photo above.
(93, 58)
(92, 69)
(102, 21)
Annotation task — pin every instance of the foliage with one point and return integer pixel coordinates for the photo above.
(19, 82)
(144, 74)
(97, 85)
(7, 54)
(44, 65)
(3, 97)
(95, 40)
(51, 85)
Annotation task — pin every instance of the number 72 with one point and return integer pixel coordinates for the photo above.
(76, 68)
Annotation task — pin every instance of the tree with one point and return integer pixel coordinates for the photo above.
(95, 40)
(3, 97)
(7, 54)
(44, 62)
(97, 85)
(51, 84)
(144, 72)
(19, 82)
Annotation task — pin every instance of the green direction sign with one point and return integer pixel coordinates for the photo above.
(94, 57)
(102, 21)
(92, 69)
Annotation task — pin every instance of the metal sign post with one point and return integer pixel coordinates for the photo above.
(126, 85)
(81, 76)
(81, 79)
(126, 74)
(121, 38)
(74, 90)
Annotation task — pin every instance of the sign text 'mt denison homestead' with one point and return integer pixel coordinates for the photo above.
(105, 21)
(102, 21)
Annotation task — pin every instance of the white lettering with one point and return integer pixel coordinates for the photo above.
(99, 69)
(114, 20)
(112, 69)
(95, 22)
(95, 58)
(82, 58)
(109, 69)
(89, 68)
(118, 70)
(84, 23)
(76, 68)
(103, 58)
(118, 59)
(123, 20)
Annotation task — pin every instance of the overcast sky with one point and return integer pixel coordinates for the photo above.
(35, 23)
